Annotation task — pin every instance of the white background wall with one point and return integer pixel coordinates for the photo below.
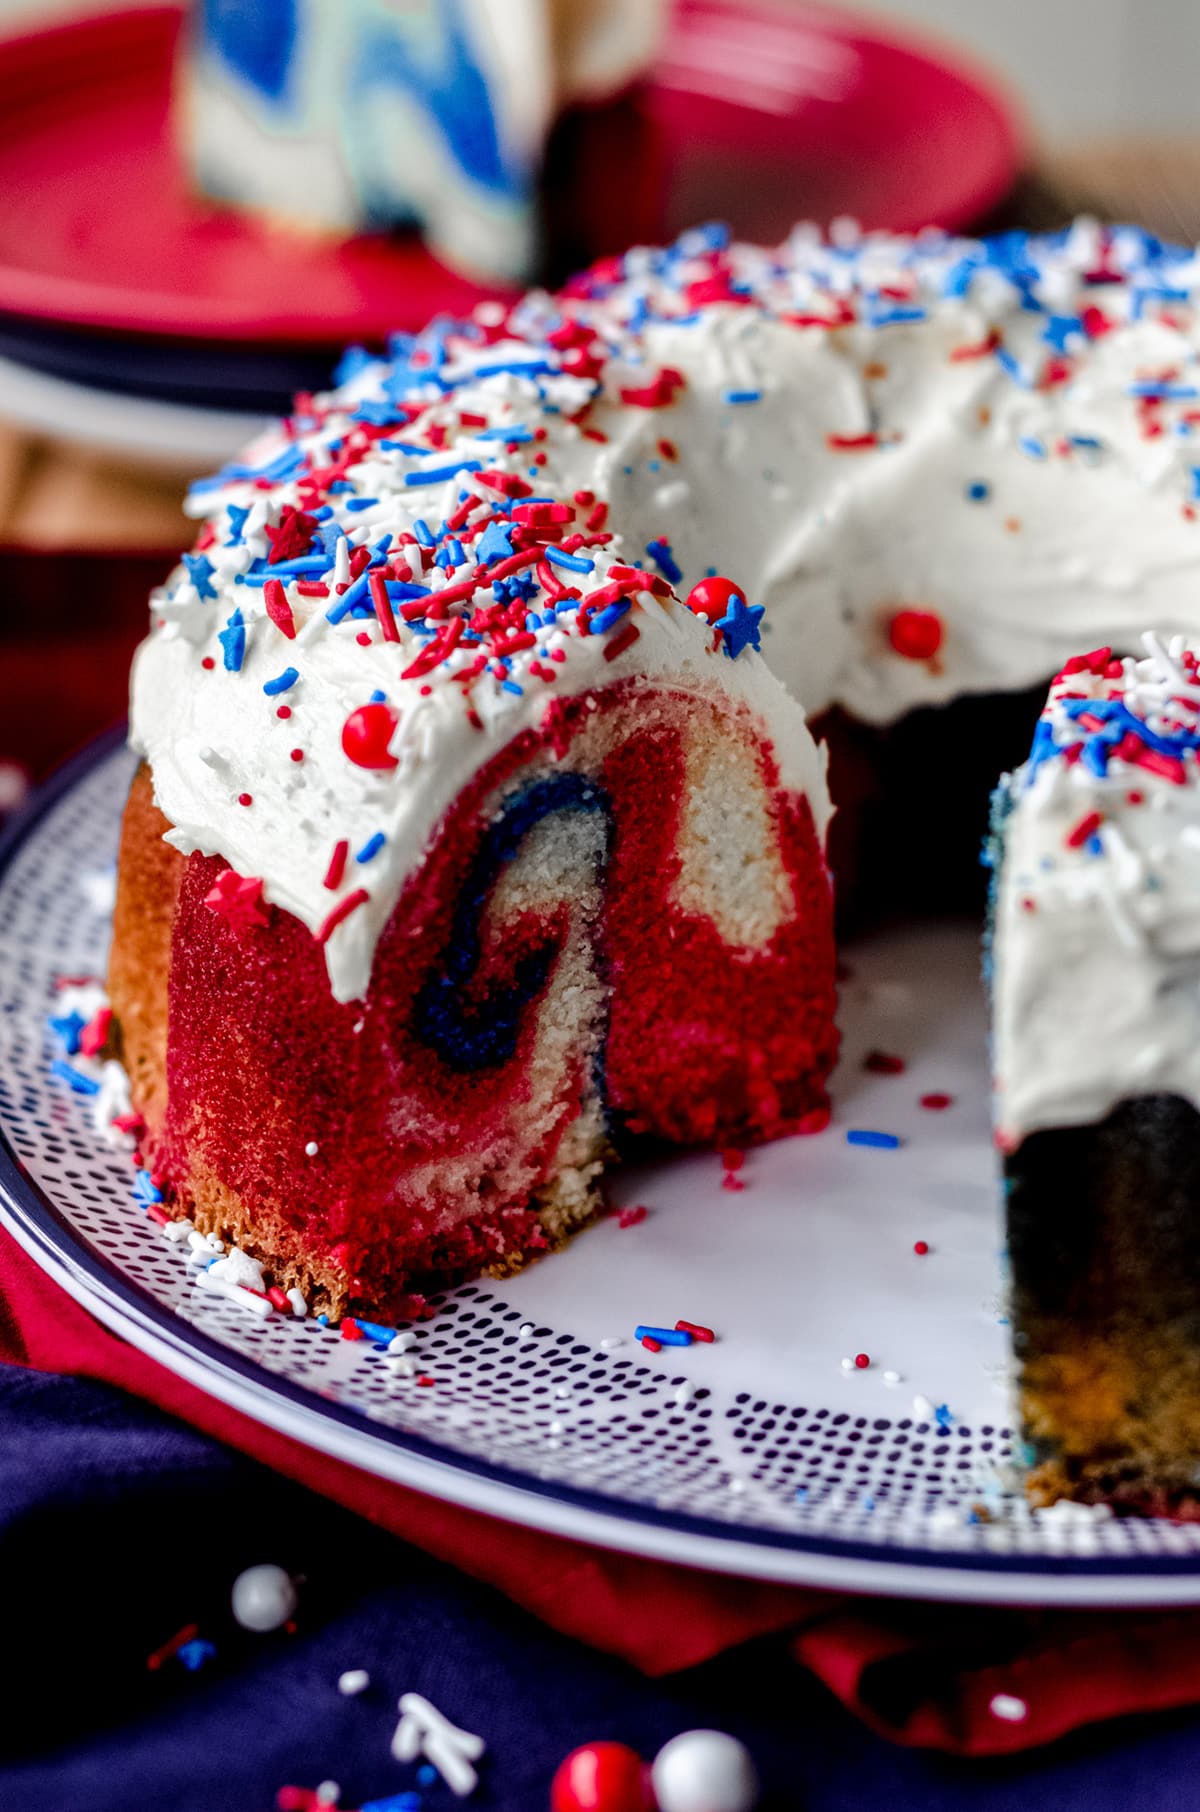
(1082, 67)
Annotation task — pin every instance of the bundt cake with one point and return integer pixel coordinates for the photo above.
(473, 837)
(1096, 966)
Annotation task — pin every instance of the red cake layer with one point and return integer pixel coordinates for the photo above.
(703, 1042)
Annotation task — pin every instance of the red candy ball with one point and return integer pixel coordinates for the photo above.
(711, 597)
(916, 634)
(600, 1777)
(366, 734)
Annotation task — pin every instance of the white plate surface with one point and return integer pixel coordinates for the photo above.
(780, 1463)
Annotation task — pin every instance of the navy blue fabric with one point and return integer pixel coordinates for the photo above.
(118, 1526)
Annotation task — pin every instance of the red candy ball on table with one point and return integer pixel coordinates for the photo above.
(366, 734)
(916, 634)
(600, 1777)
(711, 597)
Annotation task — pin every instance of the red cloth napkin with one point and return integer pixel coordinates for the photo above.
(921, 1674)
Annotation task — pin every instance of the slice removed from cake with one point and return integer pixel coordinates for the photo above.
(1096, 996)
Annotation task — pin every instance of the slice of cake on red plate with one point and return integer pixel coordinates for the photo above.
(1096, 993)
(431, 897)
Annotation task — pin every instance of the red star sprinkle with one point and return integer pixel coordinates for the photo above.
(238, 899)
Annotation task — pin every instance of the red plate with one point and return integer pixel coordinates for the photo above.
(757, 115)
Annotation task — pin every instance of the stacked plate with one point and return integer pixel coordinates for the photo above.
(137, 319)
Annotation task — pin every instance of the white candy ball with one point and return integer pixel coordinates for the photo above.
(263, 1598)
(704, 1771)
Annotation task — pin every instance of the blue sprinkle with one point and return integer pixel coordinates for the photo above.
(423, 533)
(233, 640)
(612, 613)
(521, 367)
(195, 1654)
(515, 433)
(352, 361)
(361, 503)
(574, 563)
(665, 1336)
(495, 543)
(440, 474)
(507, 685)
(660, 552)
(371, 847)
(880, 1141)
(74, 1079)
(1007, 362)
(1030, 444)
(375, 1330)
(978, 491)
(237, 521)
(289, 569)
(1175, 393)
(354, 593)
(200, 571)
(743, 396)
(891, 317)
(403, 446)
(144, 1188)
(282, 683)
(67, 1030)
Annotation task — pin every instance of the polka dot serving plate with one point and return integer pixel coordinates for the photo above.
(769, 1452)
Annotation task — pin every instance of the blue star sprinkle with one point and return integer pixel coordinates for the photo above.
(739, 626)
(200, 571)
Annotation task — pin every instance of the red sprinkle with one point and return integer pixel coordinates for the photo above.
(883, 1063)
(697, 1333)
(377, 582)
(245, 798)
(341, 911)
(862, 1361)
(651, 1344)
(632, 1217)
(617, 644)
(337, 864)
(1087, 827)
(278, 608)
(936, 1102)
(284, 711)
(921, 1247)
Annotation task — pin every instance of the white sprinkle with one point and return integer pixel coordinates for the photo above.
(402, 1342)
(328, 1793)
(847, 1365)
(296, 1298)
(684, 1394)
(893, 1378)
(401, 1367)
(610, 1343)
(311, 1149)
(1007, 1706)
(736, 1484)
(525, 1330)
(922, 1407)
(562, 1390)
(353, 1681)
(176, 1231)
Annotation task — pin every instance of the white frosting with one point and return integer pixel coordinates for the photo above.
(1096, 945)
(858, 429)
